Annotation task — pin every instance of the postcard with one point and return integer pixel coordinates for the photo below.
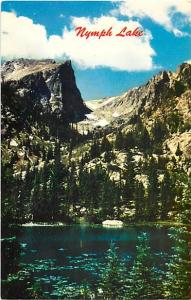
(96, 149)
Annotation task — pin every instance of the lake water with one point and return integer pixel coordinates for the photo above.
(71, 255)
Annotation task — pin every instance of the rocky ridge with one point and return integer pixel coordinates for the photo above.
(164, 97)
(145, 131)
(147, 98)
(48, 85)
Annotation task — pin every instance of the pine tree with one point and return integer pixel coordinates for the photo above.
(95, 149)
(145, 141)
(118, 196)
(183, 196)
(45, 205)
(56, 185)
(139, 201)
(119, 141)
(152, 207)
(21, 198)
(143, 281)
(107, 197)
(83, 186)
(129, 177)
(178, 151)
(177, 283)
(166, 196)
(49, 154)
(35, 197)
(94, 188)
(129, 140)
(159, 131)
(112, 279)
(10, 191)
(105, 145)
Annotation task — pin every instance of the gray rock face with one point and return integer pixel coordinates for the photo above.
(146, 98)
(47, 84)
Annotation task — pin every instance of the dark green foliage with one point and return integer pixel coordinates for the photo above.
(145, 140)
(97, 191)
(177, 283)
(109, 156)
(95, 149)
(174, 122)
(105, 146)
(152, 204)
(56, 185)
(143, 281)
(183, 196)
(112, 279)
(20, 286)
(129, 177)
(10, 195)
(10, 251)
(159, 132)
(140, 209)
(53, 192)
(119, 141)
(166, 195)
(179, 88)
(16, 284)
(178, 151)
(139, 137)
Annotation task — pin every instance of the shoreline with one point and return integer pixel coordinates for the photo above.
(137, 224)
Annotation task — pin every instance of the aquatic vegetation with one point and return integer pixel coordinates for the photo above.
(143, 269)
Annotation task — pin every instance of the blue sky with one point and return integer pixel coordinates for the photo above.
(98, 79)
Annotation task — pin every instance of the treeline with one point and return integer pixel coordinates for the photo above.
(144, 190)
(139, 138)
(48, 185)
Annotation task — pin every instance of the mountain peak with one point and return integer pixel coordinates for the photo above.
(17, 69)
(45, 87)
(161, 90)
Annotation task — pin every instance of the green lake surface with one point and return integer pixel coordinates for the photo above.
(68, 256)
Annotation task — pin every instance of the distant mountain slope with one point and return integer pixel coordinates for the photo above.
(126, 157)
(165, 98)
(155, 93)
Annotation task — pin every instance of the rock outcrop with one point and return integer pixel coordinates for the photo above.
(112, 223)
(43, 88)
(147, 98)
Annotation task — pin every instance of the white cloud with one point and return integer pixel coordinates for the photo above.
(161, 12)
(22, 38)
(128, 53)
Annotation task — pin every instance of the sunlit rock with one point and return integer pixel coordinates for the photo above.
(13, 143)
(115, 223)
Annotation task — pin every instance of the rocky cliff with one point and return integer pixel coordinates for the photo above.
(148, 98)
(164, 99)
(134, 164)
(37, 90)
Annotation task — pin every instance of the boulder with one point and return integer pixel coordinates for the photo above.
(114, 223)
(13, 143)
